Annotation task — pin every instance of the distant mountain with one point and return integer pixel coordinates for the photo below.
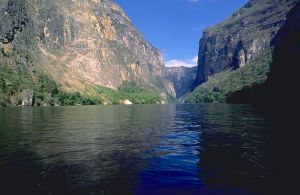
(183, 79)
(237, 53)
(81, 45)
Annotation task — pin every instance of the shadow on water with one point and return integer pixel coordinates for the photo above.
(150, 149)
(210, 149)
(234, 159)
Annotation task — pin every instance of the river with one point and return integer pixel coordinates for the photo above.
(139, 149)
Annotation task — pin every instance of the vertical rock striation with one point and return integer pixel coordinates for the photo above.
(282, 79)
(79, 44)
(183, 79)
(239, 39)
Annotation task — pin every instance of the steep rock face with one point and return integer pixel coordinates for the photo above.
(80, 44)
(183, 79)
(27, 97)
(282, 80)
(236, 41)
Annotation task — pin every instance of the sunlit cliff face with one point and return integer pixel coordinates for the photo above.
(82, 43)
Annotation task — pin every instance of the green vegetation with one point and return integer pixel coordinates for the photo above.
(130, 91)
(48, 91)
(251, 15)
(45, 91)
(222, 85)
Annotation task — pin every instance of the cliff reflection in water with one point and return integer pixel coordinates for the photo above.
(162, 149)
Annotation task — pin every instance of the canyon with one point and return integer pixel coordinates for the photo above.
(81, 45)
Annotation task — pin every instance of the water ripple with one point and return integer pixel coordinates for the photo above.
(149, 149)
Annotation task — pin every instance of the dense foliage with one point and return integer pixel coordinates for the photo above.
(47, 93)
(130, 91)
(220, 86)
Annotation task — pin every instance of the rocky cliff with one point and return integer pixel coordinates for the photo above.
(282, 78)
(183, 79)
(236, 55)
(79, 44)
(237, 40)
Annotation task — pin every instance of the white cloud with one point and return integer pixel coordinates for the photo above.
(195, 59)
(187, 63)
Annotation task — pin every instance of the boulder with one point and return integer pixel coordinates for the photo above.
(27, 97)
(127, 102)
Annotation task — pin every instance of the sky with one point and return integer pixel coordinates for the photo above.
(175, 26)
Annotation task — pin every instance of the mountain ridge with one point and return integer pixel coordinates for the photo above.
(183, 79)
(233, 42)
(80, 45)
(236, 53)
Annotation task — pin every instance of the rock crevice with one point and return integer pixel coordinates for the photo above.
(81, 44)
(236, 41)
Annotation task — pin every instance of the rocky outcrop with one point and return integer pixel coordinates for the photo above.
(282, 79)
(127, 102)
(183, 79)
(236, 41)
(235, 56)
(27, 97)
(80, 44)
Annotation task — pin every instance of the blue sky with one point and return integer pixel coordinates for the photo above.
(176, 26)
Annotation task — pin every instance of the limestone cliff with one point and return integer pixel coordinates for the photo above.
(183, 79)
(236, 41)
(282, 80)
(80, 44)
(236, 55)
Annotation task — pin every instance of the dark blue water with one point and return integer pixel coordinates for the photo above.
(142, 149)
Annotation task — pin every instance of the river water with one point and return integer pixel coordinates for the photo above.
(139, 149)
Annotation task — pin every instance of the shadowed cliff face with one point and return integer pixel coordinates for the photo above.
(282, 80)
(235, 56)
(79, 43)
(235, 42)
(183, 79)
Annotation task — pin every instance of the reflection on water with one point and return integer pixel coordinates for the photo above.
(150, 149)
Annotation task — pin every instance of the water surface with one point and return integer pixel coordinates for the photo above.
(140, 149)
